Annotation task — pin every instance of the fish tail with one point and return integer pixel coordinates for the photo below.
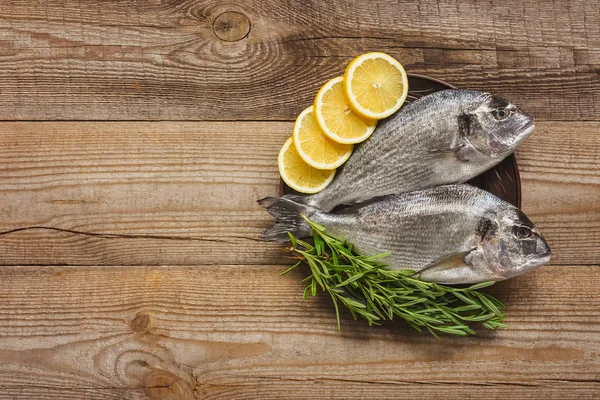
(288, 212)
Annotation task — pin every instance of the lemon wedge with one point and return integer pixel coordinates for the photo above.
(314, 146)
(298, 175)
(376, 85)
(336, 118)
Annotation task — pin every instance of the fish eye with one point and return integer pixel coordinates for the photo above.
(522, 232)
(501, 113)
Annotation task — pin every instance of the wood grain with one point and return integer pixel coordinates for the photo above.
(130, 264)
(163, 193)
(560, 171)
(241, 332)
(185, 193)
(137, 194)
(161, 60)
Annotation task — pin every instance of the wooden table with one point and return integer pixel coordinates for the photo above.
(137, 135)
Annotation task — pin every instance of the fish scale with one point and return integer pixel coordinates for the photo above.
(415, 227)
(446, 137)
(449, 234)
(402, 181)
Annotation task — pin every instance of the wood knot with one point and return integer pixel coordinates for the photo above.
(164, 385)
(141, 323)
(231, 26)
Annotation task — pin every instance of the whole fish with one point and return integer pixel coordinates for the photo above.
(447, 234)
(446, 137)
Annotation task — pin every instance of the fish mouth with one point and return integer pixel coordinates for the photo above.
(537, 261)
(523, 133)
(526, 129)
(542, 249)
(499, 147)
(543, 258)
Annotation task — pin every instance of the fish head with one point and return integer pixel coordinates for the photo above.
(510, 244)
(494, 126)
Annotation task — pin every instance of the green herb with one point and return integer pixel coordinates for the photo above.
(372, 292)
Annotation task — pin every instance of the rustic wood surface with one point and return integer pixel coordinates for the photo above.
(150, 193)
(136, 136)
(237, 332)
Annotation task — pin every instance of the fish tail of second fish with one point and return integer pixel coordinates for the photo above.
(288, 212)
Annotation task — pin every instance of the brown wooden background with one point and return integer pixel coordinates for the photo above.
(136, 135)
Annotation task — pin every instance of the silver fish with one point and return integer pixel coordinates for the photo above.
(446, 137)
(449, 234)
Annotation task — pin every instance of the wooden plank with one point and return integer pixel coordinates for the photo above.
(130, 60)
(184, 193)
(240, 332)
(560, 171)
(131, 193)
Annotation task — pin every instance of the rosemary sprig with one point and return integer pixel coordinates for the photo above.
(372, 292)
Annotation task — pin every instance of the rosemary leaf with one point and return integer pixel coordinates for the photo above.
(374, 293)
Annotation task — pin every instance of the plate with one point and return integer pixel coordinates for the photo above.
(503, 180)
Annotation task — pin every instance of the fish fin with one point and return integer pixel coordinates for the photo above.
(450, 262)
(458, 151)
(452, 269)
(351, 208)
(288, 212)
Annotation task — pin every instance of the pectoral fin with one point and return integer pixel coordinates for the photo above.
(452, 269)
(446, 263)
(458, 151)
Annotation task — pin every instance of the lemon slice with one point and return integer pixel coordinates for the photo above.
(298, 174)
(336, 118)
(314, 146)
(376, 85)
